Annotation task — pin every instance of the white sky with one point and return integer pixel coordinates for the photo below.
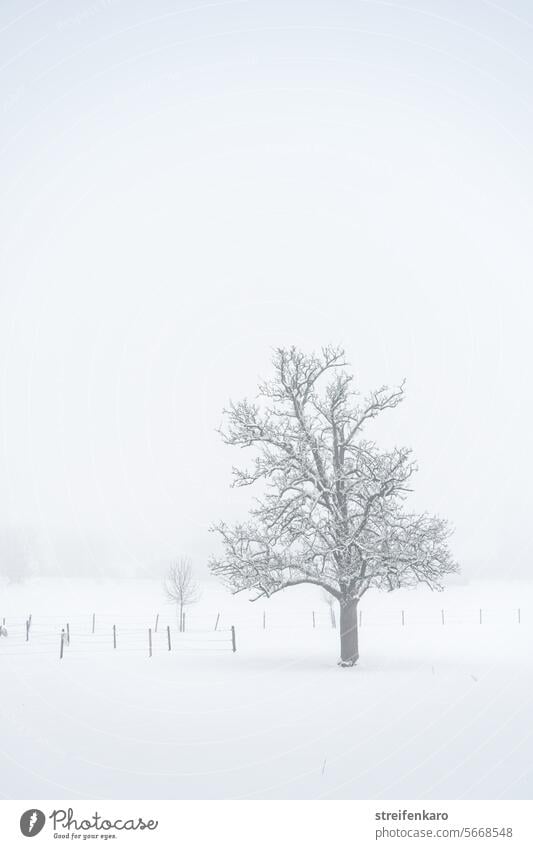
(187, 184)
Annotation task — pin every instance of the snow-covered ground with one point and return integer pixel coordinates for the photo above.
(432, 710)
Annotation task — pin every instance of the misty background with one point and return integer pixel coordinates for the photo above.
(186, 185)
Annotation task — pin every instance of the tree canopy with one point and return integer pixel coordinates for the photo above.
(333, 510)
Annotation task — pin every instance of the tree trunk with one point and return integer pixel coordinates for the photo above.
(348, 629)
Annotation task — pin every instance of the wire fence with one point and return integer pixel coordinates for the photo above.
(54, 636)
(326, 619)
(92, 633)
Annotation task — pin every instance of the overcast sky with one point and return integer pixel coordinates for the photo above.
(187, 184)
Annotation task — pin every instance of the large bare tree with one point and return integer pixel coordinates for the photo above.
(332, 510)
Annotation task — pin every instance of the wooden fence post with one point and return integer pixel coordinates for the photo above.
(519, 617)
(480, 616)
(216, 623)
(183, 628)
(442, 616)
(264, 619)
(114, 636)
(233, 640)
(61, 644)
(68, 634)
(149, 642)
(94, 621)
(27, 630)
(156, 622)
(314, 619)
(168, 637)
(403, 617)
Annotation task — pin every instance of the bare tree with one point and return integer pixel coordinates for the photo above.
(330, 601)
(181, 587)
(15, 554)
(333, 508)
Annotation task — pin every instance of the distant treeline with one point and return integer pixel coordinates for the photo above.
(26, 553)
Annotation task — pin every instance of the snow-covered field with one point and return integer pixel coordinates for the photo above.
(432, 710)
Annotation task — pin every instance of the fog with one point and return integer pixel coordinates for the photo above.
(187, 185)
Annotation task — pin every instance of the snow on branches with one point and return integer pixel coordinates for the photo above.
(333, 508)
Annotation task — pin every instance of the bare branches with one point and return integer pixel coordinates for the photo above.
(180, 585)
(332, 508)
(378, 401)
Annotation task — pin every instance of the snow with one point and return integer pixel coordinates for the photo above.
(431, 711)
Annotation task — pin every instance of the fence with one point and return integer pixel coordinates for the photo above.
(96, 635)
(99, 633)
(320, 619)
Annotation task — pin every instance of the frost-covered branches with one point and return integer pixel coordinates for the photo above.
(333, 509)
